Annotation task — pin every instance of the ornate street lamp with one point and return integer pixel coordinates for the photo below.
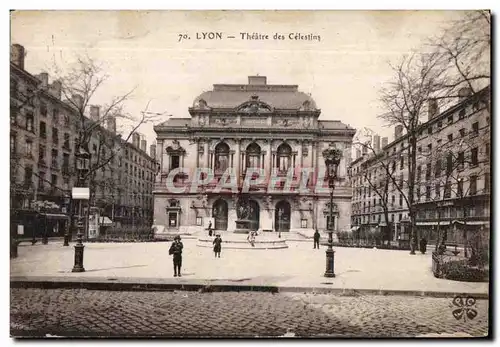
(82, 168)
(67, 202)
(280, 215)
(332, 160)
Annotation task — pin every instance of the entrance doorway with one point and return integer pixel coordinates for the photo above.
(282, 215)
(219, 212)
(254, 215)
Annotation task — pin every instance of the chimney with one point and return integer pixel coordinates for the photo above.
(78, 102)
(135, 140)
(398, 131)
(358, 153)
(55, 89)
(433, 108)
(111, 124)
(94, 113)
(464, 93)
(152, 151)
(257, 80)
(44, 78)
(17, 54)
(144, 145)
(385, 142)
(376, 143)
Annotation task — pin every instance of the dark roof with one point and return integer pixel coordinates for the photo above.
(276, 99)
(175, 122)
(333, 124)
(275, 95)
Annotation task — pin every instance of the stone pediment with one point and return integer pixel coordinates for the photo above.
(254, 105)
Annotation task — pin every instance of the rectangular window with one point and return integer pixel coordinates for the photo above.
(43, 109)
(66, 141)
(461, 160)
(437, 168)
(29, 121)
(462, 132)
(475, 128)
(429, 130)
(473, 185)
(41, 153)
(419, 173)
(429, 148)
(29, 148)
(450, 137)
(461, 114)
(43, 130)
(402, 163)
(473, 157)
(54, 158)
(65, 163)
(428, 192)
(172, 219)
(440, 124)
(199, 221)
(303, 223)
(55, 136)
(428, 171)
(487, 150)
(400, 200)
(55, 115)
(13, 144)
(438, 190)
(28, 175)
(53, 180)
(450, 119)
(449, 163)
(41, 180)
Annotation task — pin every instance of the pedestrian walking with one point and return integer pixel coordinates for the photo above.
(316, 239)
(176, 251)
(251, 238)
(210, 228)
(423, 245)
(217, 245)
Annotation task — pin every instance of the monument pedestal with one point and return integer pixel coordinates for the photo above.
(242, 226)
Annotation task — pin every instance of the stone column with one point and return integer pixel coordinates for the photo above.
(238, 160)
(197, 152)
(270, 155)
(206, 152)
(299, 153)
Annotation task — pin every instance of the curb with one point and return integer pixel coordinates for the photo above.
(222, 286)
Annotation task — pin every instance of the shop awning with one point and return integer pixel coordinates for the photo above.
(433, 223)
(105, 221)
(355, 228)
(54, 215)
(382, 224)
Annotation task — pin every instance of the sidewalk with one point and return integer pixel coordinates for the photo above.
(297, 268)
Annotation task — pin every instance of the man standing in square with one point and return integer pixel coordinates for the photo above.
(316, 239)
(176, 251)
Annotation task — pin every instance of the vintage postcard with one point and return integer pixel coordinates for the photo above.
(250, 174)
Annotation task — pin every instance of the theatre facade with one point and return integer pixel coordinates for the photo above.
(237, 127)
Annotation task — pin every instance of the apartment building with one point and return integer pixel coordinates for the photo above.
(452, 188)
(43, 133)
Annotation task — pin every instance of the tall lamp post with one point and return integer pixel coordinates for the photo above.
(81, 193)
(332, 159)
(67, 202)
(280, 215)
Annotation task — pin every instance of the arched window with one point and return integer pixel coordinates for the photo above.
(221, 157)
(253, 156)
(283, 161)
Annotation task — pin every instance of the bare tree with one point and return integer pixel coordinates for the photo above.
(417, 79)
(463, 50)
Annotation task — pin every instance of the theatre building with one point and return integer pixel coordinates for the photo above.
(256, 125)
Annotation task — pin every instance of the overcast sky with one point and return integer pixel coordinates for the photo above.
(343, 71)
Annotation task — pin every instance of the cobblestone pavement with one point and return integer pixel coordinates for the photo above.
(64, 312)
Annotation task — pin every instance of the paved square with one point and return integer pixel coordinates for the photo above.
(297, 266)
